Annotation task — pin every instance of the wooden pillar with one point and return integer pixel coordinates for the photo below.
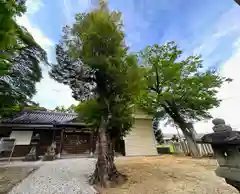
(61, 142)
(91, 143)
(54, 136)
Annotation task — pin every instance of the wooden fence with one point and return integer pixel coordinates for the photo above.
(182, 148)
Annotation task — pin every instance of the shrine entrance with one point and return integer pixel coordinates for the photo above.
(76, 143)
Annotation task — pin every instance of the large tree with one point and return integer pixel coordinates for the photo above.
(180, 90)
(20, 58)
(93, 60)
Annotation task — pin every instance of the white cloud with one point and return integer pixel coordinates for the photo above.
(86, 3)
(33, 6)
(67, 10)
(227, 24)
(70, 8)
(50, 93)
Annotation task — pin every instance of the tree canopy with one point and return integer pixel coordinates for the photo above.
(104, 74)
(20, 58)
(178, 89)
(9, 9)
(70, 109)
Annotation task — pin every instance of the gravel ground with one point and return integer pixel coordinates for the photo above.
(59, 177)
(10, 176)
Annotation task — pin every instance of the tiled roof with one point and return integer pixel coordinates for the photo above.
(41, 117)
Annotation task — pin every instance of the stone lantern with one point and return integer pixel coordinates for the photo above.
(226, 146)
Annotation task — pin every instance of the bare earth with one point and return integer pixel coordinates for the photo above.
(169, 175)
(10, 176)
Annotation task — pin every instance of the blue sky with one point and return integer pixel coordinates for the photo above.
(210, 28)
(189, 23)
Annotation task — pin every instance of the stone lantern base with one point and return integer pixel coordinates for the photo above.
(50, 154)
(32, 155)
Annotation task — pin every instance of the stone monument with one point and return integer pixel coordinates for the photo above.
(33, 154)
(51, 152)
(226, 146)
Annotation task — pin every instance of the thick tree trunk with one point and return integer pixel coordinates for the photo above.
(106, 173)
(192, 145)
(187, 128)
(189, 133)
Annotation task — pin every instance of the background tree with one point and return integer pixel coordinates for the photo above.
(20, 57)
(13, 110)
(179, 90)
(70, 109)
(93, 60)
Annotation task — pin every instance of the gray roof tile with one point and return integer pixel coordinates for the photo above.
(41, 117)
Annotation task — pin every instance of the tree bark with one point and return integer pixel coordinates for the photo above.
(106, 173)
(189, 134)
(187, 128)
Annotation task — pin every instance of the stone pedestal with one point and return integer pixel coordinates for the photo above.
(32, 155)
(51, 153)
(226, 147)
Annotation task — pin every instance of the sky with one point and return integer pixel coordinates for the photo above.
(210, 28)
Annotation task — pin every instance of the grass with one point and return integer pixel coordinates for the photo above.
(169, 174)
(10, 176)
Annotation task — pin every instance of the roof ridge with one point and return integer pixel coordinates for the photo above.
(48, 112)
(37, 116)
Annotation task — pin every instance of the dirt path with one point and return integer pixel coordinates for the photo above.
(170, 175)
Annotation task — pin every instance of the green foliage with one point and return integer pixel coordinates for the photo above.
(9, 9)
(18, 83)
(70, 109)
(90, 112)
(121, 117)
(11, 111)
(94, 62)
(180, 90)
(20, 57)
